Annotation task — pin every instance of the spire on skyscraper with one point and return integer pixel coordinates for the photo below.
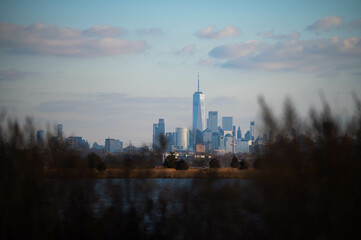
(198, 82)
(199, 122)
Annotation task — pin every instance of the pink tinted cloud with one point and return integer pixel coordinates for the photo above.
(104, 31)
(326, 23)
(189, 49)
(40, 38)
(210, 32)
(292, 55)
(273, 35)
(149, 31)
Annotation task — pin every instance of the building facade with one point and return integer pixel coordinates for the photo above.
(251, 129)
(182, 138)
(158, 133)
(60, 131)
(199, 120)
(40, 139)
(212, 121)
(113, 145)
(227, 123)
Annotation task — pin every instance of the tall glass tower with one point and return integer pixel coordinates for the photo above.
(212, 121)
(199, 113)
(158, 132)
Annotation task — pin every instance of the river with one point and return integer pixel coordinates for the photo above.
(205, 208)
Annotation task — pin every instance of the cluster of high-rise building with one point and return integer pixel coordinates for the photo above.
(76, 142)
(206, 135)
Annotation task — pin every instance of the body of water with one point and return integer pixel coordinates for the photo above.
(207, 208)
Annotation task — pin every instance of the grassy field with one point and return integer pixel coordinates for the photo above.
(149, 173)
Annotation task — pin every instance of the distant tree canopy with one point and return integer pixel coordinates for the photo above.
(199, 162)
(214, 163)
(162, 144)
(235, 162)
(102, 166)
(170, 161)
(182, 165)
(95, 161)
(242, 165)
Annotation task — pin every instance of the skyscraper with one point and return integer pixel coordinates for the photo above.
(171, 138)
(251, 129)
(227, 123)
(40, 139)
(158, 133)
(113, 145)
(212, 121)
(199, 120)
(182, 138)
(239, 133)
(60, 131)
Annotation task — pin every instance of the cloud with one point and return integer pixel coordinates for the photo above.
(149, 31)
(104, 31)
(355, 23)
(210, 32)
(272, 35)
(40, 38)
(236, 50)
(13, 75)
(326, 23)
(189, 49)
(292, 55)
(209, 62)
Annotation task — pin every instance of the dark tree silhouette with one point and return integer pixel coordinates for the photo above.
(101, 166)
(214, 163)
(182, 165)
(93, 160)
(170, 161)
(242, 165)
(235, 162)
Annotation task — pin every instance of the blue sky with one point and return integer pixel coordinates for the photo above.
(112, 68)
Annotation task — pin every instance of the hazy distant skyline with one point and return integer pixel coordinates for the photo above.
(112, 69)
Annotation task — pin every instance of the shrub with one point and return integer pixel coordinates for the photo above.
(214, 163)
(242, 165)
(310, 174)
(170, 161)
(93, 160)
(182, 165)
(235, 162)
(101, 166)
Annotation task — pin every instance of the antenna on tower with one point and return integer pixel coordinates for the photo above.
(198, 82)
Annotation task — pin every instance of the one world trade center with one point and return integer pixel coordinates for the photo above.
(199, 113)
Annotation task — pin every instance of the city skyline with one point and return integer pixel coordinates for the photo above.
(112, 69)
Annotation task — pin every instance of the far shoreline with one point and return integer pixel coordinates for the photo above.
(221, 173)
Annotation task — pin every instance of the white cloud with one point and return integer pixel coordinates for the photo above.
(104, 31)
(326, 23)
(355, 23)
(149, 31)
(236, 50)
(189, 49)
(209, 62)
(292, 55)
(46, 39)
(211, 33)
(272, 35)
